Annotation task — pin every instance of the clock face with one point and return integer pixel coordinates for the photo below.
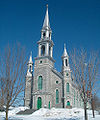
(67, 74)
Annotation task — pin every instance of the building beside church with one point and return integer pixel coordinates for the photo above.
(47, 87)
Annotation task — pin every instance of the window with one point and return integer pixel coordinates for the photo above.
(49, 50)
(40, 82)
(67, 74)
(66, 63)
(77, 99)
(57, 96)
(57, 82)
(80, 101)
(43, 50)
(74, 97)
(49, 35)
(62, 62)
(43, 34)
(41, 61)
(30, 68)
(67, 87)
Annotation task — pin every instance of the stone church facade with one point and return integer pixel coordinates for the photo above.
(47, 87)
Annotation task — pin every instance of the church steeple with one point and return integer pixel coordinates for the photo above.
(46, 30)
(65, 59)
(29, 83)
(65, 51)
(46, 23)
(30, 59)
(30, 66)
(45, 45)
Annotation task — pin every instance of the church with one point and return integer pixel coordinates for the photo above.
(46, 87)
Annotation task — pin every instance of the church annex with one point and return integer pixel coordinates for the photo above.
(47, 87)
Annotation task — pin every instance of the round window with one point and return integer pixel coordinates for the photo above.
(41, 61)
(67, 74)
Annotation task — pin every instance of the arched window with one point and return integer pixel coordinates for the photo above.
(66, 62)
(62, 62)
(57, 96)
(40, 82)
(77, 99)
(74, 97)
(67, 87)
(49, 35)
(43, 50)
(80, 101)
(44, 34)
(49, 50)
(30, 68)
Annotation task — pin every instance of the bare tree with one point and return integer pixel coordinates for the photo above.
(1, 94)
(94, 85)
(81, 68)
(97, 103)
(12, 74)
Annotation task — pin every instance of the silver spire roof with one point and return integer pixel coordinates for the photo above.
(46, 20)
(30, 59)
(65, 51)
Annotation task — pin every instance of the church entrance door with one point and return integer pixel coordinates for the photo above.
(39, 103)
(49, 104)
(68, 103)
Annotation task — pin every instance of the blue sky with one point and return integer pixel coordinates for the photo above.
(74, 22)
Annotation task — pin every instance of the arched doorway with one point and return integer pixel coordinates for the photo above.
(68, 103)
(39, 103)
(49, 105)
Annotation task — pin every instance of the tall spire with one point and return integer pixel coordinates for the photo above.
(30, 66)
(30, 59)
(46, 20)
(65, 52)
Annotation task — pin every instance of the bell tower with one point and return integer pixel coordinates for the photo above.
(65, 61)
(28, 83)
(45, 45)
(66, 83)
(44, 63)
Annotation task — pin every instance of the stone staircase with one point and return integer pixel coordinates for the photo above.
(26, 112)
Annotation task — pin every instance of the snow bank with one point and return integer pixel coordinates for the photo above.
(52, 114)
(41, 112)
(14, 110)
(74, 113)
(57, 113)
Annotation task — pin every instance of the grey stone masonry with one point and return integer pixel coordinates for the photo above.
(47, 87)
(27, 100)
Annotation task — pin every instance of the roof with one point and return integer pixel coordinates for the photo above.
(46, 23)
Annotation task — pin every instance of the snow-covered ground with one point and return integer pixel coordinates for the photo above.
(52, 114)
